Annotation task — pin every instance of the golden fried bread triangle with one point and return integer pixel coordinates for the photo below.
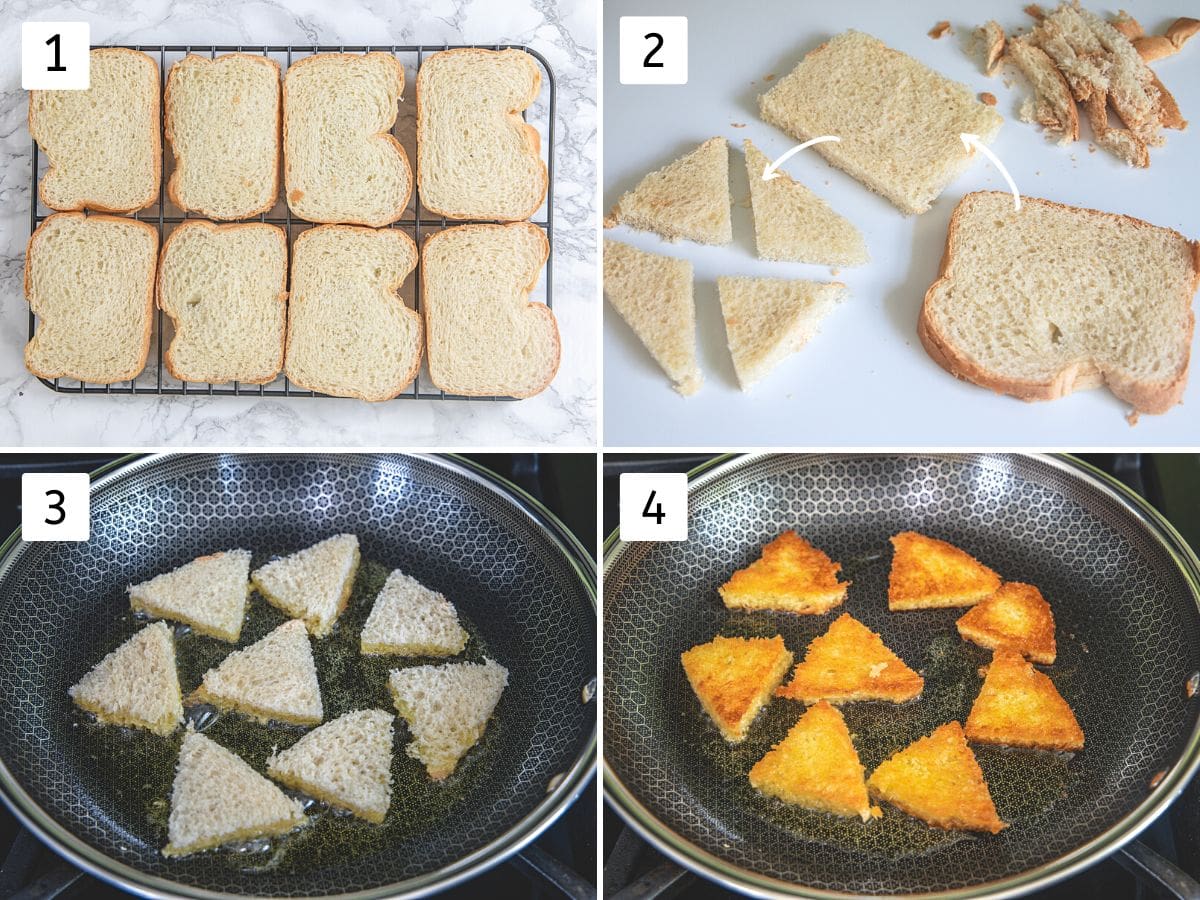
(1018, 706)
(733, 677)
(791, 575)
(929, 573)
(1016, 617)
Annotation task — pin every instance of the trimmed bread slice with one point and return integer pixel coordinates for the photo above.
(225, 289)
(476, 157)
(222, 123)
(769, 319)
(135, 685)
(1018, 706)
(208, 593)
(341, 162)
(1054, 298)
(899, 121)
(409, 619)
(447, 709)
(486, 338)
(817, 767)
(274, 679)
(688, 198)
(346, 763)
(349, 334)
(792, 224)
(791, 575)
(103, 142)
(312, 584)
(928, 573)
(653, 294)
(733, 678)
(938, 780)
(90, 282)
(1016, 617)
(218, 799)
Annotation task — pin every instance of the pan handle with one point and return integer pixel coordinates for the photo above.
(1148, 866)
(563, 878)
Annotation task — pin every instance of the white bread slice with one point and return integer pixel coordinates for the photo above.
(135, 685)
(103, 142)
(688, 198)
(346, 763)
(476, 156)
(1057, 298)
(225, 288)
(312, 584)
(1052, 105)
(792, 224)
(208, 593)
(485, 336)
(90, 280)
(340, 161)
(222, 122)
(899, 121)
(447, 708)
(349, 333)
(274, 679)
(409, 619)
(653, 294)
(769, 319)
(218, 799)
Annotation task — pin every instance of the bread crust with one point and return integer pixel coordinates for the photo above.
(1152, 398)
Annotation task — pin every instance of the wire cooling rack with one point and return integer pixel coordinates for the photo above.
(417, 221)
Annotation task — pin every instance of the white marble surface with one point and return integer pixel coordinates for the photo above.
(563, 416)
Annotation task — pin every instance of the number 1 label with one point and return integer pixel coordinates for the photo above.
(55, 56)
(654, 49)
(654, 507)
(55, 506)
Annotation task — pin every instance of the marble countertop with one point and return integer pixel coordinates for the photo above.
(564, 32)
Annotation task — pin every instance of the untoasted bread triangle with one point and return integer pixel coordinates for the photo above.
(208, 593)
(312, 584)
(733, 677)
(816, 766)
(1016, 617)
(938, 780)
(409, 619)
(791, 575)
(851, 662)
(927, 573)
(135, 685)
(1018, 706)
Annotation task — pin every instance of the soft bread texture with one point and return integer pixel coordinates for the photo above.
(90, 281)
(218, 799)
(1053, 299)
(486, 338)
(102, 143)
(817, 767)
(341, 162)
(476, 156)
(409, 619)
(1016, 617)
(349, 334)
(447, 709)
(653, 294)
(792, 224)
(222, 123)
(225, 289)
(733, 678)
(274, 679)
(1052, 105)
(791, 575)
(346, 763)
(1018, 706)
(929, 573)
(688, 198)
(135, 685)
(901, 141)
(769, 319)
(312, 584)
(208, 593)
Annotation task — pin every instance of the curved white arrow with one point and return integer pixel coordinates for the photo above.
(769, 172)
(972, 141)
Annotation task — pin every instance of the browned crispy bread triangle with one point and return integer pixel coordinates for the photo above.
(791, 575)
(1016, 617)
(1018, 706)
(928, 573)
(733, 677)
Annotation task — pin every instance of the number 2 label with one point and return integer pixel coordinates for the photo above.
(653, 49)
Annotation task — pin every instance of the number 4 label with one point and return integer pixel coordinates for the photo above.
(654, 507)
(55, 56)
(654, 50)
(55, 506)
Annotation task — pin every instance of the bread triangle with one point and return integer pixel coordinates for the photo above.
(817, 767)
(273, 679)
(792, 224)
(851, 662)
(791, 575)
(217, 799)
(769, 319)
(1018, 706)
(346, 763)
(408, 619)
(208, 593)
(312, 584)
(1016, 617)
(928, 573)
(733, 678)
(135, 685)
(937, 780)
(688, 198)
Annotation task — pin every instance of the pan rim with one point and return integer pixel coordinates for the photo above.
(1128, 827)
(570, 784)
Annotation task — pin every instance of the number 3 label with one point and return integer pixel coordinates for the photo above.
(654, 507)
(55, 506)
(55, 56)
(654, 49)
